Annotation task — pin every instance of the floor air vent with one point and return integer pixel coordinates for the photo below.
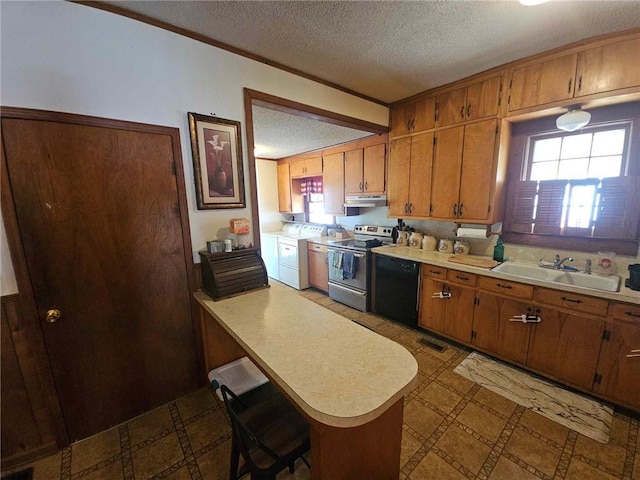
(433, 345)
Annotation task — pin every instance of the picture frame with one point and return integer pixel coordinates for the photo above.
(216, 148)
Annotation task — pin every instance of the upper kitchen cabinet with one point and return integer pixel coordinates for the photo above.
(289, 198)
(603, 69)
(413, 117)
(333, 183)
(364, 170)
(410, 163)
(308, 167)
(479, 100)
(468, 172)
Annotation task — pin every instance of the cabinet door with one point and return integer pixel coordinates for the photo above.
(619, 373)
(566, 346)
(401, 117)
(483, 99)
(432, 308)
(447, 162)
(424, 117)
(297, 169)
(420, 174)
(544, 82)
(318, 270)
(333, 184)
(477, 171)
(353, 172)
(493, 330)
(374, 168)
(284, 188)
(313, 167)
(452, 107)
(609, 67)
(458, 317)
(399, 163)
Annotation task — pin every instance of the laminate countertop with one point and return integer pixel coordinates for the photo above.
(441, 260)
(337, 371)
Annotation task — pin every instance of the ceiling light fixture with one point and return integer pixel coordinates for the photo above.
(531, 3)
(573, 119)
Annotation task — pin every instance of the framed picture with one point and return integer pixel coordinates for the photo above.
(216, 147)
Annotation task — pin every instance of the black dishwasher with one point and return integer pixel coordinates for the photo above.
(397, 289)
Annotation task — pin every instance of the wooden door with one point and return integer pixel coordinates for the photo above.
(420, 174)
(483, 99)
(374, 168)
(284, 188)
(458, 318)
(620, 373)
(493, 330)
(544, 82)
(424, 117)
(607, 68)
(566, 346)
(452, 107)
(333, 183)
(318, 269)
(354, 172)
(432, 308)
(447, 163)
(401, 119)
(399, 164)
(102, 224)
(297, 169)
(477, 172)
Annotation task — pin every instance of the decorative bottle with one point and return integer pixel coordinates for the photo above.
(498, 251)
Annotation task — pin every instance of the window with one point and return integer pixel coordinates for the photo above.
(584, 185)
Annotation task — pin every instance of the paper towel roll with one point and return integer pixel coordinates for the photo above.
(468, 232)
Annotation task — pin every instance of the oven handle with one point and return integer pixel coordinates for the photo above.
(357, 255)
(350, 290)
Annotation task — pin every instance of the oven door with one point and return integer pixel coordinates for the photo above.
(338, 271)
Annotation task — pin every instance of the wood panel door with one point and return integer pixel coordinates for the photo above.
(452, 107)
(399, 165)
(374, 168)
(458, 319)
(447, 163)
(101, 221)
(432, 308)
(284, 188)
(354, 172)
(318, 270)
(566, 346)
(333, 183)
(477, 170)
(483, 99)
(420, 174)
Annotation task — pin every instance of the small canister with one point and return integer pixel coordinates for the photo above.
(461, 248)
(415, 240)
(429, 242)
(445, 246)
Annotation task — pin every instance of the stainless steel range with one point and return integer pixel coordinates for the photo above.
(350, 265)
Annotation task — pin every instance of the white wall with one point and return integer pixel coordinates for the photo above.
(267, 184)
(72, 58)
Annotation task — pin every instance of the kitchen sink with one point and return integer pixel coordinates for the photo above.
(608, 283)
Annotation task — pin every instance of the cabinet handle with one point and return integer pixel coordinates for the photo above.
(508, 287)
(468, 110)
(462, 112)
(570, 300)
(434, 272)
(411, 208)
(466, 279)
(360, 187)
(326, 260)
(460, 210)
(580, 83)
(455, 210)
(631, 314)
(366, 185)
(406, 208)
(569, 86)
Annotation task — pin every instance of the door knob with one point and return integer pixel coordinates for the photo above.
(53, 315)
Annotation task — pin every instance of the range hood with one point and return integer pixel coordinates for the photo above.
(365, 200)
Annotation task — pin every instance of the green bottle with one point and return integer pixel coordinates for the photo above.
(498, 251)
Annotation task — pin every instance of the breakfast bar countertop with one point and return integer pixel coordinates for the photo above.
(338, 372)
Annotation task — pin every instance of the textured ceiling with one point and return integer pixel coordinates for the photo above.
(384, 50)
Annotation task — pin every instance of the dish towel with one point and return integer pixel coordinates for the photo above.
(336, 260)
(348, 266)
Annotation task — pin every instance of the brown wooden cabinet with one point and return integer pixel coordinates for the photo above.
(410, 164)
(318, 266)
(618, 368)
(465, 172)
(308, 167)
(413, 117)
(364, 170)
(333, 183)
(289, 198)
(465, 104)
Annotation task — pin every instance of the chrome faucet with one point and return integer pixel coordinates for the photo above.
(587, 266)
(558, 264)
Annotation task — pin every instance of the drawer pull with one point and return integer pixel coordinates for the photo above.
(634, 353)
(631, 314)
(570, 300)
(434, 272)
(508, 287)
(466, 279)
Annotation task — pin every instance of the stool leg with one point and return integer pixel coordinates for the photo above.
(235, 459)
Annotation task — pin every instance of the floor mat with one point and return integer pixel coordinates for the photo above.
(577, 412)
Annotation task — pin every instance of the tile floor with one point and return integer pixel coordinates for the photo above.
(453, 429)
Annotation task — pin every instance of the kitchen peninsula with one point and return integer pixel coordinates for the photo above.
(348, 381)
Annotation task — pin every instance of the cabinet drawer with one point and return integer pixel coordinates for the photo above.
(463, 278)
(316, 247)
(572, 301)
(505, 287)
(625, 311)
(434, 272)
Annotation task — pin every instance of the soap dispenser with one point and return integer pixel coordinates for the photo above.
(498, 251)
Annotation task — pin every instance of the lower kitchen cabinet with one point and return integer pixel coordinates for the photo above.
(318, 266)
(618, 373)
(459, 314)
(432, 307)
